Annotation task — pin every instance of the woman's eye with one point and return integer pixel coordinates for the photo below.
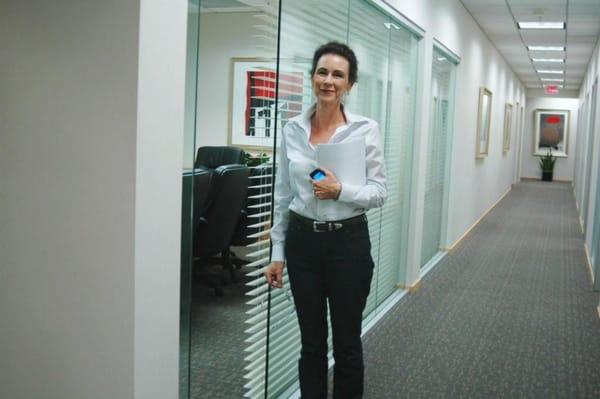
(322, 73)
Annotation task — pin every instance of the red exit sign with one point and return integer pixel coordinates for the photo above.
(551, 89)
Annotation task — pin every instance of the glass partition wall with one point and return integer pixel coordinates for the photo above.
(590, 130)
(239, 338)
(187, 198)
(438, 153)
(227, 172)
(385, 91)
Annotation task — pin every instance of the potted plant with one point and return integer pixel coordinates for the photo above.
(256, 159)
(547, 165)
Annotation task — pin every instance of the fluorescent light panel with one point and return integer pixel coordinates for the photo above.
(558, 60)
(546, 48)
(541, 25)
(551, 80)
(553, 71)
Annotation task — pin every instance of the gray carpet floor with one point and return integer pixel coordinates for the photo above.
(509, 314)
(217, 342)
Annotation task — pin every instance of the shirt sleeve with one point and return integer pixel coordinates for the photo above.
(282, 197)
(374, 193)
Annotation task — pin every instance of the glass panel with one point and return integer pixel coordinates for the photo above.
(398, 130)
(298, 40)
(370, 39)
(230, 128)
(385, 91)
(577, 153)
(590, 146)
(585, 142)
(187, 198)
(438, 153)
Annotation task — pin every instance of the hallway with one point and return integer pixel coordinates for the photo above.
(510, 313)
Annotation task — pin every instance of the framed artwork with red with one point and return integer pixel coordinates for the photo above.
(257, 112)
(551, 132)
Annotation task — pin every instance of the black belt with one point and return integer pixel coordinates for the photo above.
(324, 226)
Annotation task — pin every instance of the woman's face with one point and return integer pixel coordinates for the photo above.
(330, 80)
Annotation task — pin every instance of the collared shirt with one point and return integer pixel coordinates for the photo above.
(298, 157)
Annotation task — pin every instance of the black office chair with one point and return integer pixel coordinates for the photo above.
(213, 157)
(202, 192)
(214, 229)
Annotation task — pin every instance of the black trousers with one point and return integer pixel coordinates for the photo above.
(337, 267)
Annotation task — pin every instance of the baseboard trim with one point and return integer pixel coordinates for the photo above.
(459, 242)
(527, 178)
(411, 289)
(588, 259)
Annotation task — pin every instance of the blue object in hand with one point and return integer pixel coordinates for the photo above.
(317, 174)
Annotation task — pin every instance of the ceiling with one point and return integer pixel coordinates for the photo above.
(498, 19)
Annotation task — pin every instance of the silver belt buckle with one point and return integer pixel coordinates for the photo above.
(328, 226)
(317, 224)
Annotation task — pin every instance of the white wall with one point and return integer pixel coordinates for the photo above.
(222, 37)
(564, 167)
(476, 185)
(89, 251)
(160, 124)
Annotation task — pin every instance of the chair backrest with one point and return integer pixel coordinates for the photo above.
(213, 157)
(202, 192)
(229, 186)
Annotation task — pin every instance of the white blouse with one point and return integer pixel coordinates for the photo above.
(298, 157)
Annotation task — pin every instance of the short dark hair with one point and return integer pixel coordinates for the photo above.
(342, 50)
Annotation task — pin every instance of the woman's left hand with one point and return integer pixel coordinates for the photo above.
(327, 188)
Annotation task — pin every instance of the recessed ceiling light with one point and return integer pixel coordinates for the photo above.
(559, 86)
(555, 71)
(546, 48)
(541, 25)
(560, 60)
(441, 59)
(551, 80)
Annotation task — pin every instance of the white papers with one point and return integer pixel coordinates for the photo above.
(346, 160)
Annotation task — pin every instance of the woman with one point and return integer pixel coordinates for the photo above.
(320, 228)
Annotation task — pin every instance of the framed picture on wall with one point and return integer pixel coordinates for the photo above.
(507, 127)
(484, 117)
(253, 110)
(551, 132)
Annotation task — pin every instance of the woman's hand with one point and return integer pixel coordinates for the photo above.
(274, 274)
(327, 188)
